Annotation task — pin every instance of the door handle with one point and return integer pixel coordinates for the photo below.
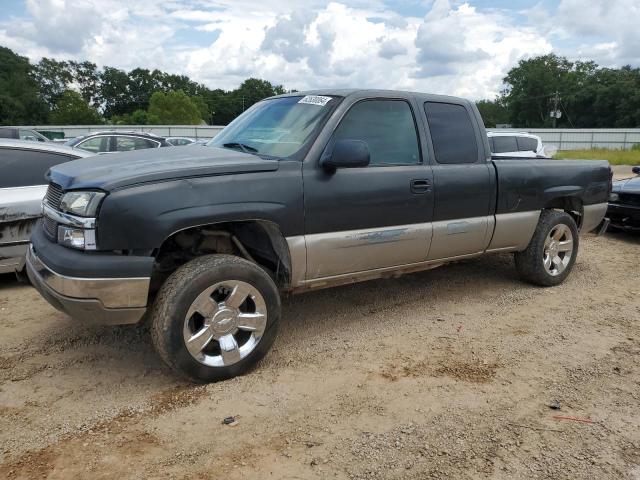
(420, 185)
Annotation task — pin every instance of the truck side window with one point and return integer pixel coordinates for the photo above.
(505, 144)
(388, 128)
(452, 134)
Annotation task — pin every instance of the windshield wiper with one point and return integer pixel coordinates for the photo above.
(244, 147)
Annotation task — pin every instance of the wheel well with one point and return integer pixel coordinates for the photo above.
(571, 205)
(258, 241)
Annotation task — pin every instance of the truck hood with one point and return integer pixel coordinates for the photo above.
(112, 171)
(629, 185)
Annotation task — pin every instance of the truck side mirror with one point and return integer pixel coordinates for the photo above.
(346, 154)
(636, 170)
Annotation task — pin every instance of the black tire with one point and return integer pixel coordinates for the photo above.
(176, 297)
(530, 262)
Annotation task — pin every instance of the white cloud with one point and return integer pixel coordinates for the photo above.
(605, 31)
(391, 48)
(454, 48)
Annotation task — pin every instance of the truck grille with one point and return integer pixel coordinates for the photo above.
(54, 195)
(50, 227)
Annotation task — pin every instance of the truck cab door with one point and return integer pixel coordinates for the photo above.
(464, 182)
(372, 217)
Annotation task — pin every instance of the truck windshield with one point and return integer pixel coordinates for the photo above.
(279, 127)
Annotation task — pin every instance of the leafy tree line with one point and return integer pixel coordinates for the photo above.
(70, 92)
(588, 96)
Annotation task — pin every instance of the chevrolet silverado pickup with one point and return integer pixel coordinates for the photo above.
(302, 191)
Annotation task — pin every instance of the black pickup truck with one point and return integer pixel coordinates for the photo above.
(302, 191)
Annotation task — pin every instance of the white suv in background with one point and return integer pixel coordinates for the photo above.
(517, 144)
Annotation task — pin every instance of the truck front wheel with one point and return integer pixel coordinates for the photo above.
(552, 251)
(215, 317)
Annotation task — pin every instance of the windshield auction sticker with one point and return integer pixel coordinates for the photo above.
(315, 100)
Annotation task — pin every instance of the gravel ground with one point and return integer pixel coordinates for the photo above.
(450, 373)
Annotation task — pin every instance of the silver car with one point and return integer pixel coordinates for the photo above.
(23, 165)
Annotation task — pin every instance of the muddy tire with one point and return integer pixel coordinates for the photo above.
(550, 256)
(215, 317)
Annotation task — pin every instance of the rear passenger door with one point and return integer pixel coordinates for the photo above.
(464, 182)
(360, 219)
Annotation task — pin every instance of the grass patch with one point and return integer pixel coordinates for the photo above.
(615, 157)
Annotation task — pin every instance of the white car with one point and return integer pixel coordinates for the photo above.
(23, 165)
(517, 144)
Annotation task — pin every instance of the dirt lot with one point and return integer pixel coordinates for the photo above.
(443, 374)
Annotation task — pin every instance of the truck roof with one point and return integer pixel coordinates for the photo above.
(347, 92)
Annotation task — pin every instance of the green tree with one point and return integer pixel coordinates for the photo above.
(87, 78)
(54, 78)
(114, 92)
(20, 100)
(72, 109)
(493, 112)
(203, 108)
(228, 105)
(173, 107)
(139, 117)
(587, 95)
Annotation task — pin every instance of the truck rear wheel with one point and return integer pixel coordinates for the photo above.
(215, 317)
(552, 251)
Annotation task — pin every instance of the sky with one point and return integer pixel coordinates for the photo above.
(450, 47)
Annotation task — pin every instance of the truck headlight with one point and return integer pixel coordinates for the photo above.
(83, 204)
(83, 239)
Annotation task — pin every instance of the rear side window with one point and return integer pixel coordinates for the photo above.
(505, 144)
(452, 134)
(126, 144)
(24, 168)
(388, 128)
(527, 144)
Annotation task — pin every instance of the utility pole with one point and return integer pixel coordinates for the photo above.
(556, 99)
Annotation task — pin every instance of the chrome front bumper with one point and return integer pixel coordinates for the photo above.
(110, 301)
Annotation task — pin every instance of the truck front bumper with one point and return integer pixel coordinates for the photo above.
(99, 300)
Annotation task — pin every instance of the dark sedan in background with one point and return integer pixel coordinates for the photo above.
(23, 165)
(624, 203)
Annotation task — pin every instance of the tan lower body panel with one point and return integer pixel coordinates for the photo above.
(327, 259)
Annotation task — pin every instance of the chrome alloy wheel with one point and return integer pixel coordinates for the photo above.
(225, 323)
(558, 249)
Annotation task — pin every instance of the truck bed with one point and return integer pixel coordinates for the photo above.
(531, 184)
